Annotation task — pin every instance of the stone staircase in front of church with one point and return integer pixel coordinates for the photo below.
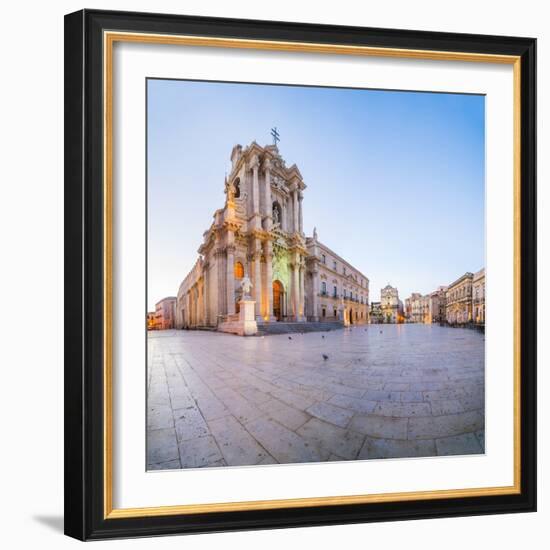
(265, 329)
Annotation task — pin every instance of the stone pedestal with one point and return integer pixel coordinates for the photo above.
(247, 319)
(243, 323)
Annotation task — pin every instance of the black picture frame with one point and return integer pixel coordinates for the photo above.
(84, 281)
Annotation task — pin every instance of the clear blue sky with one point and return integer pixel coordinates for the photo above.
(395, 180)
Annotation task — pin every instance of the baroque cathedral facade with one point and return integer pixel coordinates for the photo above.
(259, 234)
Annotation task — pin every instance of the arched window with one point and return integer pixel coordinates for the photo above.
(239, 270)
(237, 186)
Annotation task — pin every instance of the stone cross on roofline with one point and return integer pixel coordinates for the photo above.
(275, 135)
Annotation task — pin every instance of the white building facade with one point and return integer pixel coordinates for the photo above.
(336, 291)
(391, 306)
(259, 233)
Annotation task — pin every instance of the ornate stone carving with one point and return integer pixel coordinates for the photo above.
(278, 182)
(276, 213)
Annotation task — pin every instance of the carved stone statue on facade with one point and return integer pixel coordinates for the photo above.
(230, 191)
(276, 214)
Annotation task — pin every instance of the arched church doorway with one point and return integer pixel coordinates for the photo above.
(278, 294)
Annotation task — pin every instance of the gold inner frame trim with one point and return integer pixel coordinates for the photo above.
(109, 39)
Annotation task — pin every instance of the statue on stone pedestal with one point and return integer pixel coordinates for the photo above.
(246, 285)
(247, 321)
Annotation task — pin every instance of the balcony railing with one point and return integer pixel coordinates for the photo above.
(325, 294)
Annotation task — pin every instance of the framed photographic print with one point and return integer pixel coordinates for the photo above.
(300, 274)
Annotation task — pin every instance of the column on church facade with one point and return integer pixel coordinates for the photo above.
(267, 194)
(205, 291)
(203, 300)
(258, 277)
(300, 216)
(295, 289)
(254, 163)
(301, 308)
(315, 301)
(186, 310)
(199, 305)
(284, 222)
(295, 226)
(220, 270)
(194, 310)
(230, 281)
(268, 254)
(194, 306)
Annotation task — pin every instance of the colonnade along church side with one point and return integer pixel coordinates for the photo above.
(259, 234)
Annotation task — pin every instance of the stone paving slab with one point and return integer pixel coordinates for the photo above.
(235, 442)
(446, 406)
(464, 444)
(286, 415)
(190, 423)
(384, 392)
(284, 445)
(354, 404)
(168, 465)
(160, 416)
(332, 440)
(200, 452)
(441, 426)
(162, 446)
(386, 427)
(480, 434)
(331, 413)
(395, 448)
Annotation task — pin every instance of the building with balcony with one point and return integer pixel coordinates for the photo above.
(427, 308)
(165, 313)
(375, 315)
(335, 290)
(412, 307)
(437, 306)
(458, 297)
(478, 297)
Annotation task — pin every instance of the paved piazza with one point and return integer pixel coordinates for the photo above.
(384, 391)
